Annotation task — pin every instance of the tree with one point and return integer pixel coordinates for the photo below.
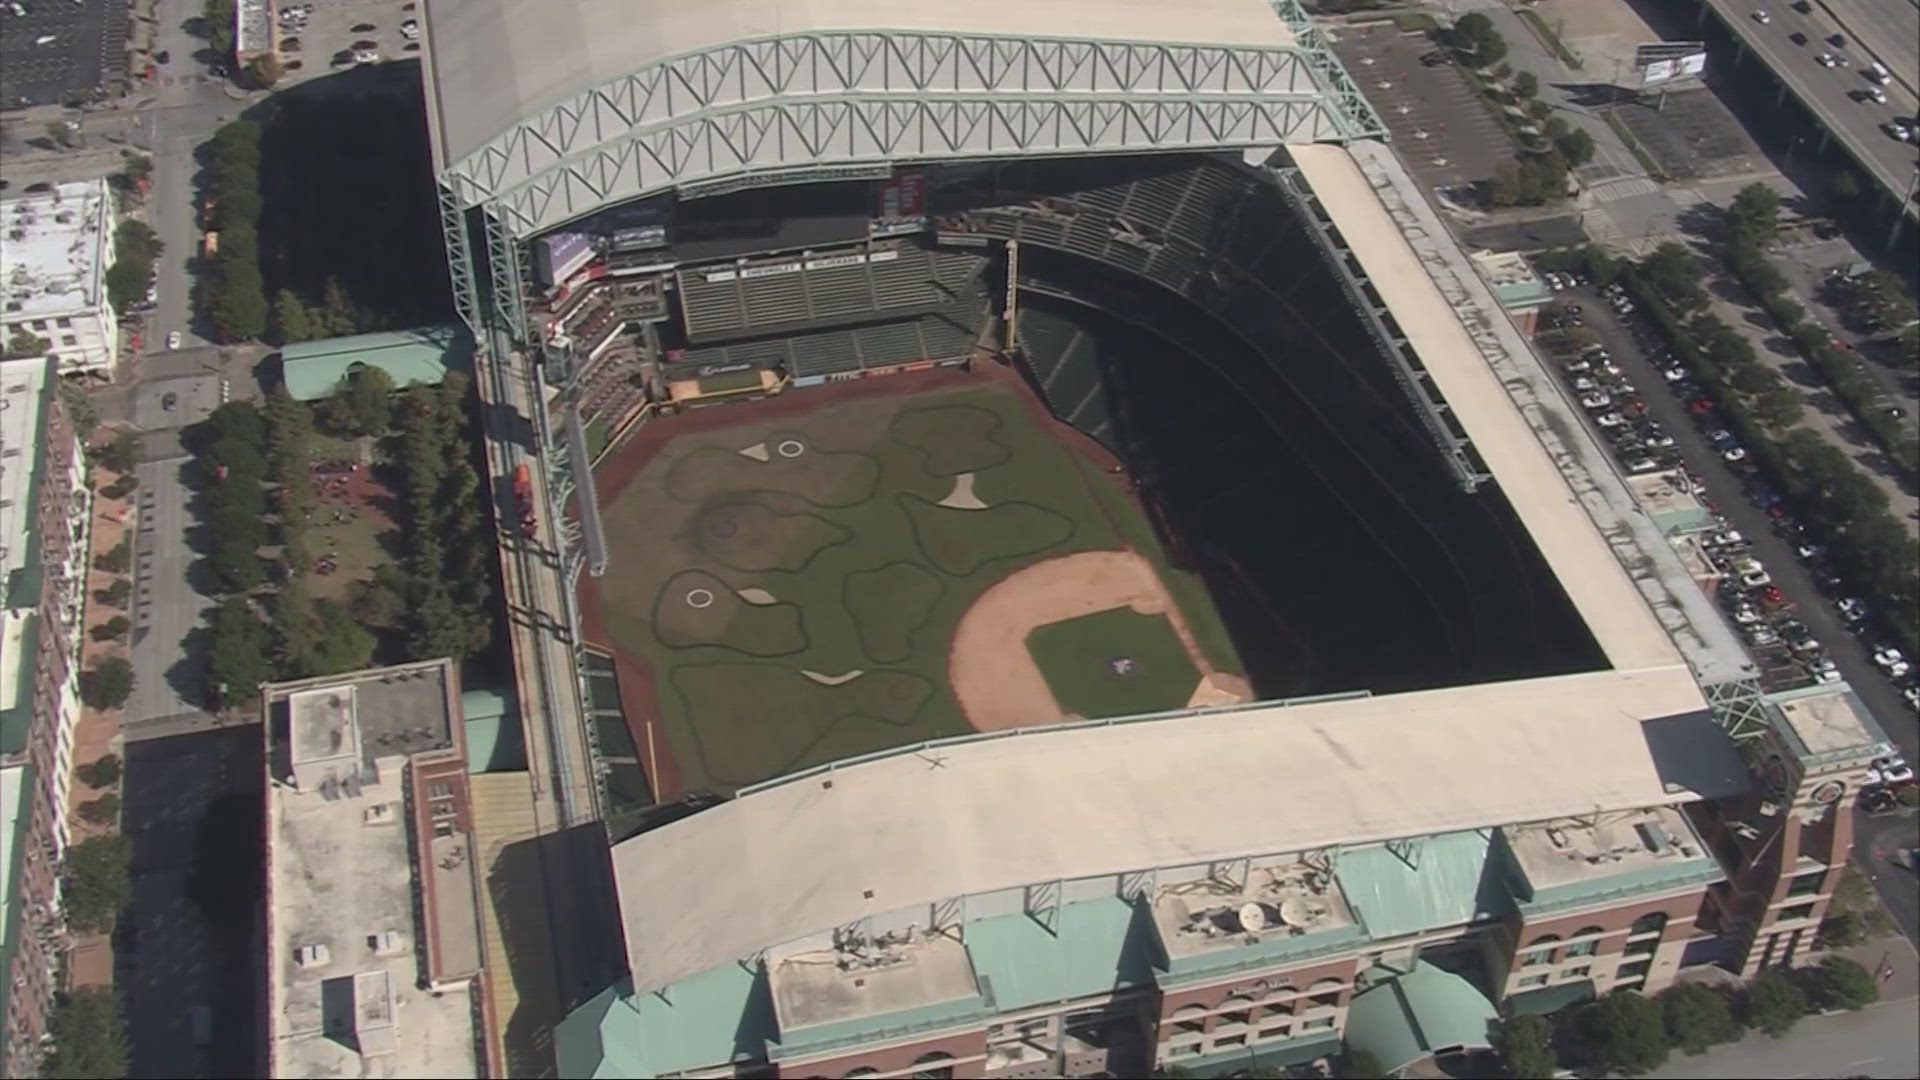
(1773, 1003)
(1625, 1033)
(236, 569)
(126, 284)
(122, 454)
(236, 420)
(264, 70)
(101, 772)
(116, 559)
(1673, 271)
(1779, 408)
(1840, 983)
(337, 314)
(80, 411)
(116, 594)
(244, 462)
(291, 320)
(1526, 84)
(1753, 379)
(218, 16)
(237, 657)
(1525, 1043)
(1698, 1017)
(381, 603)
(104, 810)
(1504, 189)
(364, 403)
(1845, 929)
(95, 885)
(1473, 36)
(89, 1035)
(113, 629)
(108, 684)
(1754, 214)
(1844, 186)
(1576, 146)
(239, 302)
(23, 345)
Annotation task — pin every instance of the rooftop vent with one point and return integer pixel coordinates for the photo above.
(311, 956)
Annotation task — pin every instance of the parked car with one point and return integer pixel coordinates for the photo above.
(1853, 609)
(1734, 454)
(173, 339)
(1893, 769)
(1610, 420)
(1674, 374)
(1810, 552)
(1891, 660)
(1762, 636)
(410, 29)
(1745, 615)
(1912, 694)
(1639, 465)
(1825, 671)
(1754, 579)
(1596, 400)
(1762, 17)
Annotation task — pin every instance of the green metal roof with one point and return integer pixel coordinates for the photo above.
(1101, 946)
(313, 369)
(882, 1027)
(17, 719)
(495, 741)
(1411, 1015)
(711, 1019)
(1551, 999)
(1429, 883)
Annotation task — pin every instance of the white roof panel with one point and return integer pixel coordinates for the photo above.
(826, 849)
(490, 63)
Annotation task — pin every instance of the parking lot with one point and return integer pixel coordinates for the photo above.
(54, 51)
(337, 34)
(1794, 612)
(1691, 135)
(1440, 126)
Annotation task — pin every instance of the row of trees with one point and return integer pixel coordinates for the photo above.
(1752, 222)
(1550, 148)
(436, 602)
(1629, 1034)
(135, 249)
(1869, 545)
(233, 295)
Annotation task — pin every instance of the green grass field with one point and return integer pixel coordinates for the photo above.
(794, 585)
(1114, 663)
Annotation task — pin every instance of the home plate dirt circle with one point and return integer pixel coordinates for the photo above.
(993, 675)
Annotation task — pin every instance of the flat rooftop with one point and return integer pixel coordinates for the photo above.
(818, 984)
(346, 901)
(1829, 719)
(954, 818)
(1668, 498)
(1278, 900)
(23, 388)
(1569, 851)
(55, 252)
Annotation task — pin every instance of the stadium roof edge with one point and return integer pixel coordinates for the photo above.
(553, 118)
(931, 823)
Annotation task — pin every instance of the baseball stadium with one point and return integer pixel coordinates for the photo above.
(997, 481)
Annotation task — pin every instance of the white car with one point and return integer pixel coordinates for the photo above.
(1874, 94)
(1641, 465)
(1734, 454)
(1762, 636)
(1674, 373)
(1893, 769)
(1912, 694)
(173, 339)
(1579, 365)
(1890, 660)
(1659, 440)
(1610, 420)
(1596, 400)
(366, 56)
(1745, 615)
(1852, 609)
(410, 29)
(1755, 579)
(1828, 60)
(1762, 17)
(1825, 672)
(1810, 552)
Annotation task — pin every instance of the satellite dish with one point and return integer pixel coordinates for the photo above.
(1294, 912)
(1253, 917)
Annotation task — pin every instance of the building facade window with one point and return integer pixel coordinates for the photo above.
(1229, 1041)
(1530, 981)
(1237, 1010)
(1318, 1023)
(1275, 1031)
(1580, 972)
(1653, 922)
(1807, 884)
(934, 1066)
(1797, 911)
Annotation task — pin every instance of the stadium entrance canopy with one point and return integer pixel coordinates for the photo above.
(545, 112)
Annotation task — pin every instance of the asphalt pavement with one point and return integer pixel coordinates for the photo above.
(1726, 493)
(1877, 1041)
(1834, 94)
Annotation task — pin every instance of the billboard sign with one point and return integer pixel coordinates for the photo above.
(903, 205)
(559, 255)
(1666, 61)
(639, 238)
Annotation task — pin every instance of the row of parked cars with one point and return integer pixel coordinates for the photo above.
(1767, 621)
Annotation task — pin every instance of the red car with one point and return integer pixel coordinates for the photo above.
(1699, 406)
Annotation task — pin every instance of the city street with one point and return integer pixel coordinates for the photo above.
(1877, 1041)
(1726, 493)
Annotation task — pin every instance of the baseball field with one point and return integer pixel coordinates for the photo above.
(802, 584)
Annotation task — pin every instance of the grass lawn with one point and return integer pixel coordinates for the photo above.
(1114, 663)
(794, 584)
